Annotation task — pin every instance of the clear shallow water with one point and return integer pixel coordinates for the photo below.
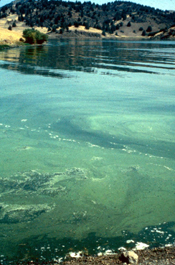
(87, 147)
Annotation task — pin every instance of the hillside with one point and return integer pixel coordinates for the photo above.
(116, 19)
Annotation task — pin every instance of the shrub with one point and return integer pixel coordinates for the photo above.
(33, 36)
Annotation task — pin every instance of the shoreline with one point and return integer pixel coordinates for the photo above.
(161, 256)
(14, 38)
(14, 44)
(147, 256)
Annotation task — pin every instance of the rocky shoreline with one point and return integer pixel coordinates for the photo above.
(154, 256)
(160, 256)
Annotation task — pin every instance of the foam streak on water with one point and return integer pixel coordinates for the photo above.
(87, 147)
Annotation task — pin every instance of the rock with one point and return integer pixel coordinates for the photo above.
(140, 246)
(108, 252)
(130, 257)
(122, 249)
(129, 241)
(22, 40)
(76, 255)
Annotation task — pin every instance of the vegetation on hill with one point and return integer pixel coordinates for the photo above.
(58, 16)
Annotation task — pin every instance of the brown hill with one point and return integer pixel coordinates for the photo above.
(73, 19)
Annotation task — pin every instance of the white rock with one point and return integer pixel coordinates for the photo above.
(140, 246)
(130, 241)
(108, 252)
(122, 249)
(129, 257)
(75, 255)
(168, 245)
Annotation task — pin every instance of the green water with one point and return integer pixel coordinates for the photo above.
(87, 132)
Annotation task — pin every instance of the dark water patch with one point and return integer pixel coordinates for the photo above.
(73, 131)
(32, 70)
(43, 249)
(162, 108)
(128, 69)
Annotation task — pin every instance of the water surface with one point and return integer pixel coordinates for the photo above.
(87, 133)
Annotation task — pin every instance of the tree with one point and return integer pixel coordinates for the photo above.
(14, 24)
(54, 28)
(124, 15)
(117, 26)
(112, 29)
(104, 33)
(117, 16)
(86, 25)
(76, 24)
(33, 36)
(149, 29)
(143, 33)
(61, 30)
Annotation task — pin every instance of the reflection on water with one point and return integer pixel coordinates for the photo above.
(89, 56)
(87, 147)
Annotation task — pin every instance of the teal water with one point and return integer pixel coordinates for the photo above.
(87, 158)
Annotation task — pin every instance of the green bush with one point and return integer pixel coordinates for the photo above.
(33, 36)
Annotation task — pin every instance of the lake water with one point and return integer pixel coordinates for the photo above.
(87, 158)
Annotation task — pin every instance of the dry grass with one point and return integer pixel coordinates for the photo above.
(9, 37)
(12, 37)
(82, 28)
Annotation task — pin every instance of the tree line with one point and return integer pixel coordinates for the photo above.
(60, 14)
